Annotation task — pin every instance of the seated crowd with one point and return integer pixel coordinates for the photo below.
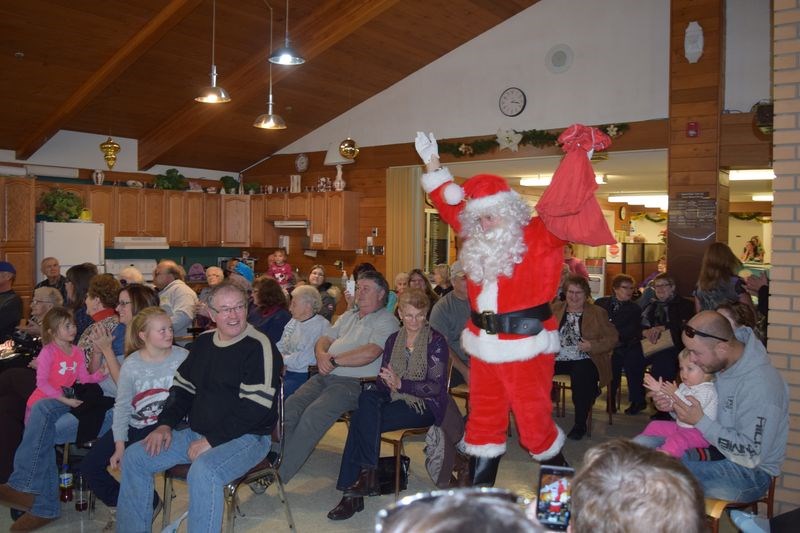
(156, 376)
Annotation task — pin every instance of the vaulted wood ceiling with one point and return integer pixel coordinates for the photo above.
(132, 68)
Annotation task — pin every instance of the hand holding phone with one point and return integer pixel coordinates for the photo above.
(554, 497)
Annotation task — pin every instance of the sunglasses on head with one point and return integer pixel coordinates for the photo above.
(691, 332)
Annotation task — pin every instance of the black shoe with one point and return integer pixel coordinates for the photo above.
(483, 470)
(365, 485)
(348, 506)
(576, 433)
(635, 408)
(556, 460)
(661, 415)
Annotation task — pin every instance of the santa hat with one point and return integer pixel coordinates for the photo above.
(486, 192)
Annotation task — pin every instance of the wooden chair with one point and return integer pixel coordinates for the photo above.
(396, 437)
(264, 473)
(715, 508)
(561, 383)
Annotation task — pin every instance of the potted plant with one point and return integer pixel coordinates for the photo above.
(59, 205)
(229, 183)
(171, 180)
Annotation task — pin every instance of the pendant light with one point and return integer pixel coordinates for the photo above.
(213, 94)
(285, 55)
(268, 120)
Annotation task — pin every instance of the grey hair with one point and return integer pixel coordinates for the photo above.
(377, 278)
(310, 294)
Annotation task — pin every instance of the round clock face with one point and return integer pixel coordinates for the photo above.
(623, 212)
(512, 102)
(301, 162)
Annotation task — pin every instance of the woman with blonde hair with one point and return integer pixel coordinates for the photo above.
(441, 279)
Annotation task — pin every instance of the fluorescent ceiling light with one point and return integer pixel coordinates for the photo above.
(763, 197)
(660, 201)
(52, 172)
(538, 180)
(752, 175)
(12, 171)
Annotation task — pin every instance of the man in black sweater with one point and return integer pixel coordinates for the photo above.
(227, 386)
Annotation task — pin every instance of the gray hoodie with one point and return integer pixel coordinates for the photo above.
(752, 423)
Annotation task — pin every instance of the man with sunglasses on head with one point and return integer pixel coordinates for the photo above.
(751, 429)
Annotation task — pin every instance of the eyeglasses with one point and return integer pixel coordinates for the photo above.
(229, 310)
(122, 303)
(34, 301)
(691, 332)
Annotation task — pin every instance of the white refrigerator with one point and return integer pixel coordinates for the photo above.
(72, 243)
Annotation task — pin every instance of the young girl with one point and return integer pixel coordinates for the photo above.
(60, 363)
(143, 388)
(679, 436)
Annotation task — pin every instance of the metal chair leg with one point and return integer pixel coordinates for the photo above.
(167, 501)
(398, 446)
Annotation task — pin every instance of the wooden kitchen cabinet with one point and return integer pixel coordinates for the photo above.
(140, 212)
(100, 201)
(275, 206)
(334, 220)
(153, 205)
(235, 212)
(128, 214)
(288, 206)
(212, 233)
(262, 233)
(185, 213)
(195, 212)
(17, 229)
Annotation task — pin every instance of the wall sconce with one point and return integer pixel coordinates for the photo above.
(692, 129)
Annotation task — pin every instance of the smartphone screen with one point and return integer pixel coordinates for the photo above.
(553, 505)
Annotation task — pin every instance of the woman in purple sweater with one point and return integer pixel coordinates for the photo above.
(411, 392)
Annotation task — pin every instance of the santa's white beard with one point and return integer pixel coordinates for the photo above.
(486, 256)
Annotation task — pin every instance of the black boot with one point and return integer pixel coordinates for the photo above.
(483, 470)
(557, 460)
(347, 507)
(365, 485)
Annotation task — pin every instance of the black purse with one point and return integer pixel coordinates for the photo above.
(386, 473)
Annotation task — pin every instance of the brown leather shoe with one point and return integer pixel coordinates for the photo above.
(365, 485)
(30, 522)
(15, 499)
(347, 507)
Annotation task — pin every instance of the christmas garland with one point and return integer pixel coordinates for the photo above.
(512, 139)
(758, 217)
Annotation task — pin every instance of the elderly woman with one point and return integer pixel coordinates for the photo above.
(130, 275)
(300, 336)
(441, 280)
(626, 317)
(587, 341)
(316, 278)
(270, 315)
(44, 299)
(667, 314)
(411, 391)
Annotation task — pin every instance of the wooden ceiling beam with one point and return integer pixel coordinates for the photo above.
(134, 48)
(330, 23)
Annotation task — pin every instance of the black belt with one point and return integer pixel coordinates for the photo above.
(523, 322)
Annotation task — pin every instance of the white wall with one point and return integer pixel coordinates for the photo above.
(82, 150)
(747, 53)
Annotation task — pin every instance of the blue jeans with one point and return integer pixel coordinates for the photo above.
(67, 427)
(207, 477)
(725, 480)
(376, 414)
(35, 470)
(292, 381)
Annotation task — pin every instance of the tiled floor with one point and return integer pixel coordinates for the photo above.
(312, 493)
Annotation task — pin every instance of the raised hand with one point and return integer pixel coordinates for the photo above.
(426, 146)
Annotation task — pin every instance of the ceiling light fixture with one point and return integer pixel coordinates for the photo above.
(213, 94)
(539, 180)
(660, 201)
(285, 55)
(752, 174)
(268, 120)
(763, 197)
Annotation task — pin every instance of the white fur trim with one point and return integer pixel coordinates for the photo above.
(453, 194)
(487, 299)
(493, 349)
(485, 204)
(484, 450)
(554, 448)
(433, 180)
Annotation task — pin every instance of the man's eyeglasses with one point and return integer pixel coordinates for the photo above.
(691, 332)
(230, 310)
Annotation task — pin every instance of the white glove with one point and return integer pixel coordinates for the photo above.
(426, 147)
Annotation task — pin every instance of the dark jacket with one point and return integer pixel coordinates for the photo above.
(678, 312)
(599, 331)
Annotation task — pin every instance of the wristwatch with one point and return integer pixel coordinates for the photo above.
(333, 362)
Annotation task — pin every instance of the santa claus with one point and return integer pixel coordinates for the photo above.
(513, 263)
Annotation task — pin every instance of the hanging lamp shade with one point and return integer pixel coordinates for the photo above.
(213, 94)
(285, 55)
(269, 120)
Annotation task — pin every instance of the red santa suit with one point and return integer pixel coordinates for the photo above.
(514, 371)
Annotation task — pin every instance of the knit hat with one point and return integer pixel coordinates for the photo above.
(5, 266)
(485, 192)
(245, 271)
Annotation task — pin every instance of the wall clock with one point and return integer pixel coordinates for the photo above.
(623, 212)
(512, 102)
(301, 162)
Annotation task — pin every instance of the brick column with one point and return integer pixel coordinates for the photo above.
(784, 312)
